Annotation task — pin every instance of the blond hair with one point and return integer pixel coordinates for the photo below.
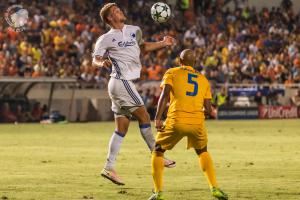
(105, 11)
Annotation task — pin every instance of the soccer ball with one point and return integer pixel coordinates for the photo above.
(160, 12)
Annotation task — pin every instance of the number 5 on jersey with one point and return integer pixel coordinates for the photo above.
(194, 83)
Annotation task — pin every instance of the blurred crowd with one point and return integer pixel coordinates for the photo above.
(21, 111)
(238, 45)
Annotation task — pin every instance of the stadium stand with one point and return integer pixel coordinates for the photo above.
(239, 45)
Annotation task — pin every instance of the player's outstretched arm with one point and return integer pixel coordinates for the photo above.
(152, 46)
(161, 107)
(99, 61)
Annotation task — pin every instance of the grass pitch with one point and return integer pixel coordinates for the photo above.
(257, 160)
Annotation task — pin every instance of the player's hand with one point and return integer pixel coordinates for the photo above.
(159, 125)
(106, 63)
(168, 41)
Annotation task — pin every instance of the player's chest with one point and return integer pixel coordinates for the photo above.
(124, 40)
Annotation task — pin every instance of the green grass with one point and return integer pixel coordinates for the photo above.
(257, 160)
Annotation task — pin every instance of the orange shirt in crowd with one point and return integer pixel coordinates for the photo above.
(79, 27)
(12, 34)
(260, 43)
(288, 82)
(1, 36)
(36, 74)
(96, 30)
(153, 72)
(63, 23)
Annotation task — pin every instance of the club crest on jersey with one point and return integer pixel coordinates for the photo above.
(132, 35)
(126, 43)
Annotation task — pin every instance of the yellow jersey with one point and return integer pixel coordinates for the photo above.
(189, 89)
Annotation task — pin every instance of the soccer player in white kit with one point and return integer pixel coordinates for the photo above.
(120, 49)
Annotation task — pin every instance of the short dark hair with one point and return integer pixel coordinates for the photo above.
(105, 11)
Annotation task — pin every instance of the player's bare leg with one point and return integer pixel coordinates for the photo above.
(143, 117)
(122, 124)
(207, 167)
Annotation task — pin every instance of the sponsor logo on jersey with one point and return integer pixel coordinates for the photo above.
(126, 43)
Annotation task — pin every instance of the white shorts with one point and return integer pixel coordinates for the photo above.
(124, 97)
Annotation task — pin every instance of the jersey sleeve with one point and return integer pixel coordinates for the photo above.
(100, 47)
(207, 94)
(167, 79)
(139, 36)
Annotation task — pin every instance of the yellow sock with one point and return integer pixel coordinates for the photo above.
(208, 169)
(157, 170)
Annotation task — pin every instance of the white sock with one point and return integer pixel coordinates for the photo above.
(113, 149)
(147, 135)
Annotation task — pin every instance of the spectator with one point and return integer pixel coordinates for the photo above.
(23, 115)
(147, 99)
(273, 97)
(6, 115)
(154, 101)
(232, 46)
(37, 112)
(101, 80)
(154, 72)
(221, 98)
(295, 99)
(258, 98)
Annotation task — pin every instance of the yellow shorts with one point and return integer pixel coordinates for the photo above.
(174, 132)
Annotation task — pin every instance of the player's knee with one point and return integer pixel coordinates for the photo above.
(145, 118)
(200, 151)
(122, 130)
(122, 124)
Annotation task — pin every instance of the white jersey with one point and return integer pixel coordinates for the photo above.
(122, 48)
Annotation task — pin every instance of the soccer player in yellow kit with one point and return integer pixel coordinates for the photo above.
(190, 96)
